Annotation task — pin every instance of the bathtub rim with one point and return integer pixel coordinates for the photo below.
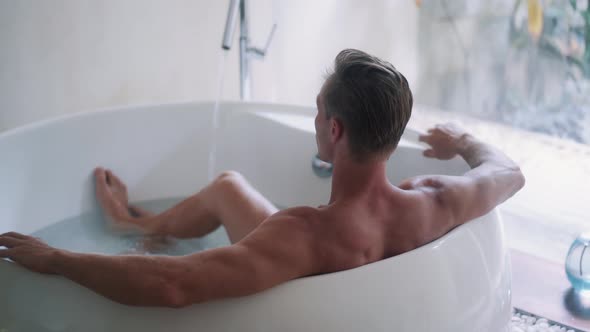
(300, 109)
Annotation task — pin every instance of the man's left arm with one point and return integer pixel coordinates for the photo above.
(280, 250)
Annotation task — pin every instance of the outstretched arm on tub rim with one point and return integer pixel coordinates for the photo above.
(493, 177)
(263, 259)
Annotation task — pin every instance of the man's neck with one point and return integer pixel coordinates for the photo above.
(352, 179)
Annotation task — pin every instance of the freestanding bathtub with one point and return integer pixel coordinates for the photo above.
(460, 282)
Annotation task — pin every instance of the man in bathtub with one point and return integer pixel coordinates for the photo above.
(363, 108)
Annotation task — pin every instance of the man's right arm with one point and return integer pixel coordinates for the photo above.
(493, 177)
(281, 249)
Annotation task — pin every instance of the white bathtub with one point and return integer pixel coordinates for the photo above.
(460, 282)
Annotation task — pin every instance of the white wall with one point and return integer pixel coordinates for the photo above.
(64, 56)
(313, 32)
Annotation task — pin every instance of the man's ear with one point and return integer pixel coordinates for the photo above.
(336, 129)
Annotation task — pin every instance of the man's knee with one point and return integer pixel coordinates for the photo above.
(230, 181)
(229, 176)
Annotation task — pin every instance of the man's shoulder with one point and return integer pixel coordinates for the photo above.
(301, 217)
(295, 224)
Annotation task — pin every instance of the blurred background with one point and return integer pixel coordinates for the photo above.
(514, 72)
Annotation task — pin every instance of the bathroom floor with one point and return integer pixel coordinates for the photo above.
(540, 287)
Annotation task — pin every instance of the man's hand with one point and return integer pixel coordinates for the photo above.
(28, 251)
(446, 141)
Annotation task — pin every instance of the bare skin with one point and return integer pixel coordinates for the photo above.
(367, 219)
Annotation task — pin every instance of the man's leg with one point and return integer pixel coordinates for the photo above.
(229, 200)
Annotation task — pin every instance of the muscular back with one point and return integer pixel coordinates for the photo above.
(355, 232)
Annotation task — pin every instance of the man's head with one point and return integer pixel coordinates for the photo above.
(364, 106)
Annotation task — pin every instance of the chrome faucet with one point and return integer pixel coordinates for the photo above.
(246, 50)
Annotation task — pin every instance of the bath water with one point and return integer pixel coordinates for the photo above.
(90, 233)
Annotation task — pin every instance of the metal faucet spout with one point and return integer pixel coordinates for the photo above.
(246, 50)
(230, 24)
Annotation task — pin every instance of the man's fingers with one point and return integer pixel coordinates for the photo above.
(114, 178)
(423, 138)
(109, 176)
(15, 235)
(99, 173)
(100, 178)
(10, 242)
(429, 153)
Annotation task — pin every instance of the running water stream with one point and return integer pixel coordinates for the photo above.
(215, 114)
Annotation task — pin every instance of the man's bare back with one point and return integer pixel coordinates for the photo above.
(367, 218)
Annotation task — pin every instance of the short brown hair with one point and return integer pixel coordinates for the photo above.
(371, 98)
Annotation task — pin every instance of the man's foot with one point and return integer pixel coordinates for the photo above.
(111, 193)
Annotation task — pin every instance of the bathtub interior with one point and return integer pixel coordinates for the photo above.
(161, 151)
